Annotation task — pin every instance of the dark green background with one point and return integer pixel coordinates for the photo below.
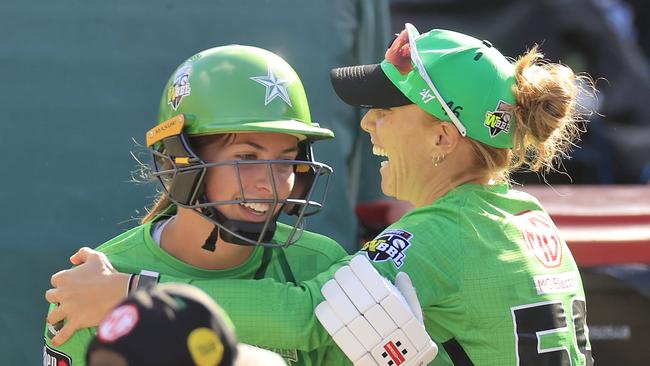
(80, 79)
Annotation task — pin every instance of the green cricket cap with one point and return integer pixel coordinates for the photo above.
(452, 76)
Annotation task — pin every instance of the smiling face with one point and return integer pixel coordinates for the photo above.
(222, 183)
(404, 136)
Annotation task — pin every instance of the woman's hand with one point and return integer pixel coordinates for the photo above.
(84, 294)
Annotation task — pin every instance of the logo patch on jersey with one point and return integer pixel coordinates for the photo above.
(556, 283)
(180, 88)
(390, 244)
(541, 237)
(53, 357)
(498, 120)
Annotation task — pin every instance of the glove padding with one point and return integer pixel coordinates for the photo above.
(373, 322)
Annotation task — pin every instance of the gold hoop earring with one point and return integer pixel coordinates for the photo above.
(438, 159)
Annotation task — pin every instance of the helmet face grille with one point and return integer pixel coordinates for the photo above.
(184, 184)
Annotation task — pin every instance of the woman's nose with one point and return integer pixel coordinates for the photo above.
(264, 178)
(273, 177)
(368, 121)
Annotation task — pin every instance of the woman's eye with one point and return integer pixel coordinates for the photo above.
(246, 156)
(284, 168)
(383, 112)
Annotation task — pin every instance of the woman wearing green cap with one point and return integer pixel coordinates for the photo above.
(496, 283)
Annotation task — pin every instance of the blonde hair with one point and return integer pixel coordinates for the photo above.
(199, 144)
(547, 118)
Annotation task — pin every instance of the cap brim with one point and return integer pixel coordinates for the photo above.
(248, 355)
(366, 86)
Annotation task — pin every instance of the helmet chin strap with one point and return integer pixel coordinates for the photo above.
(211, 241)
(249, 230)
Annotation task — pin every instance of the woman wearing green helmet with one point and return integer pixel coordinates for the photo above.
(232, 151)
(496, 282)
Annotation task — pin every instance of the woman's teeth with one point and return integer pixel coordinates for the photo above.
(376, 150)
(257, 207)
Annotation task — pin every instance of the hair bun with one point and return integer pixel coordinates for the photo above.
(546, 113)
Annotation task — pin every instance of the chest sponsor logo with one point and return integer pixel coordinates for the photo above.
(556, 283)
(541, 237)
(389, 245)
(55, 358)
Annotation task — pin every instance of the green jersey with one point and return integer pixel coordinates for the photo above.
(497, 284)
(135, 250)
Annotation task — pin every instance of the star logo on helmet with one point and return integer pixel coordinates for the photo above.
(274, 87)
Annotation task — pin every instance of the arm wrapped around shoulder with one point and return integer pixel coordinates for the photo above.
(371, 320)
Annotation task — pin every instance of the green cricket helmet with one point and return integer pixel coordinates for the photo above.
(236, 89)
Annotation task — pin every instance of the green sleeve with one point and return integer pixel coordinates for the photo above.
(75, 347)
(269, 313)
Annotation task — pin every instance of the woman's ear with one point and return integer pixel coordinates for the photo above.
(447, 138)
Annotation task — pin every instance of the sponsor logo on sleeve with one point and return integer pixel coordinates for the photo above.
(53, 357)
(389, 245)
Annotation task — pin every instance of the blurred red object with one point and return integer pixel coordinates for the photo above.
(603, 225)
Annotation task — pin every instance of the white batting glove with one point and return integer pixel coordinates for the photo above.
(373, 322)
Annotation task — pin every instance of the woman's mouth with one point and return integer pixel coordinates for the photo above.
(379, 151)
(256, 208)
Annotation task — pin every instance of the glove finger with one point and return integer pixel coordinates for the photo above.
(405, 286)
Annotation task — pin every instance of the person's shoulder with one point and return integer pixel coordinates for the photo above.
(124, 242)
(523, 196)
(441, 214)
(433, 230)
(478, 198)
(312, 242)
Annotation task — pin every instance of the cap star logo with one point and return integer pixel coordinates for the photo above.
(274, 87)
(499, 120)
